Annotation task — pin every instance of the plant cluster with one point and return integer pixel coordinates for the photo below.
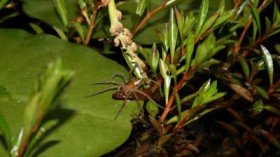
(214, 73)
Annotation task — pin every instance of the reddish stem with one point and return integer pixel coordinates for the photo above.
(186, 76)
(245, 29)
(92, 23)
(148, 16)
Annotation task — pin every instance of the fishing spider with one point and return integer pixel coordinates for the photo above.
(128, 90)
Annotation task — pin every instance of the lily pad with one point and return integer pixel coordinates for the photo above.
(92, 130)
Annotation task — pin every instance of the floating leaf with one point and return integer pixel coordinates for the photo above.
(93, 119)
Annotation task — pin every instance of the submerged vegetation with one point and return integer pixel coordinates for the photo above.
(204, 74)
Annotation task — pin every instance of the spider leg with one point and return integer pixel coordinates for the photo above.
(119, 76)
(146, 95)
(122, 106)
(102, 91)
(137, 100)
(106, 82)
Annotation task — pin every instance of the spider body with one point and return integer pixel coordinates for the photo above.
(130, 90)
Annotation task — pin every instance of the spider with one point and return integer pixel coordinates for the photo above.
(128, 90)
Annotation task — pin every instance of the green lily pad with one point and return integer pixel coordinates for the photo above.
(92, 130)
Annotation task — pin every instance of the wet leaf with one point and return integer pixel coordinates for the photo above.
(258, 106)
(268, 62)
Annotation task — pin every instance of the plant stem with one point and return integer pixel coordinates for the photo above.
(92, 23)
(245, 29)
(186, 76)
(151, 14)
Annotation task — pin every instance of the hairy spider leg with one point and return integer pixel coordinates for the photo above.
(103, 91)
(122, 106)
(146, 95)
(119, 76)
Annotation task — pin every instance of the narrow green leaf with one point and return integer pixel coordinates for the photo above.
(276, 31)
(16, 142)
(5, 130)
(61, 10)
(60, 33)
(223, 18)
(276, 14)
(272, 109)
(164, 70)
(188, 24)
(209, 23)
(141, 7)
(202, 16)
(268, 62)
(80, 30)
(262, 92)
(267, 24)
(36, 28)
(206, 49)
(196, 117)
(245, 68)
(154, 58)
(173, 33)
(167, 81)
(256, 18)
(180, 22)
(213, 98)
(190, 48)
